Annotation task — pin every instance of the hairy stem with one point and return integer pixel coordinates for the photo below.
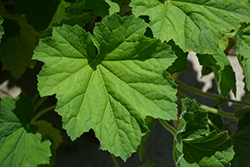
(115, 161)
(168, 127)
(210, 95)
(42, 112)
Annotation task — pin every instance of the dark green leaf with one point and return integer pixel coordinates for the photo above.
(39, 13)
(195, 146)
(224, 74)
(148, 164)
(241, 143)
(180, 63)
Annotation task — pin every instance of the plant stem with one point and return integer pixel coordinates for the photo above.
(42, 112)
(168, 127)
(40, 101)
(214, 110)
(114, 159)
(213, 125)
(210, 95)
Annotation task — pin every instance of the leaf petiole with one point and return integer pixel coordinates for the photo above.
(115, 161)
(168, 127)
(214, 110)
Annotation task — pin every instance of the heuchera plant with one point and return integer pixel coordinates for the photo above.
(110, 65)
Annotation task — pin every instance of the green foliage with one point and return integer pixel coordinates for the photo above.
(195, 145)
(20, 144)
(193, 25)
(109, 64)
(138, 70)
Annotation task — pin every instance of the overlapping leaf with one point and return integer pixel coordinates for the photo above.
(224, 74)
(195, 146)
(195, 25)
(243, 49)
(20, 145)
(110, 92)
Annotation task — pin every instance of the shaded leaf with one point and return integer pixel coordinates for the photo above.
(148, 164)
(150, 123)
(224, 74)
(39, 13)
(193, 25)
(20, 145)
(111, 92)
(1, 28)
(241, 143)
(16, 51)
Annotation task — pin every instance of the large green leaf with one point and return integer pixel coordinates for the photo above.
(20, 145)
(243, 49)
(223, 71)
(241, 143)
(111, 92)
(195, 146)
(194, 25)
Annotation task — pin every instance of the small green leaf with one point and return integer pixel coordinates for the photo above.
(20, 145)
(224, 74)
(111, 92)
(241, 143)
(195, 146)
(193, 25)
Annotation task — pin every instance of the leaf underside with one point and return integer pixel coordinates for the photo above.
(113, 91)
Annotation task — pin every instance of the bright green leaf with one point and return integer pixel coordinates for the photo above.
(114, 7)
(243, 49)
(194, 25)
(195, 146)
(111, 92)
(224, 74)
(16, 51)
(39, 13)
(20, 145)
(241, 143)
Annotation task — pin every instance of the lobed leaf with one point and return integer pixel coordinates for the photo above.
(194, 145)
(112, 91)
(194, 25)
(20, 145)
